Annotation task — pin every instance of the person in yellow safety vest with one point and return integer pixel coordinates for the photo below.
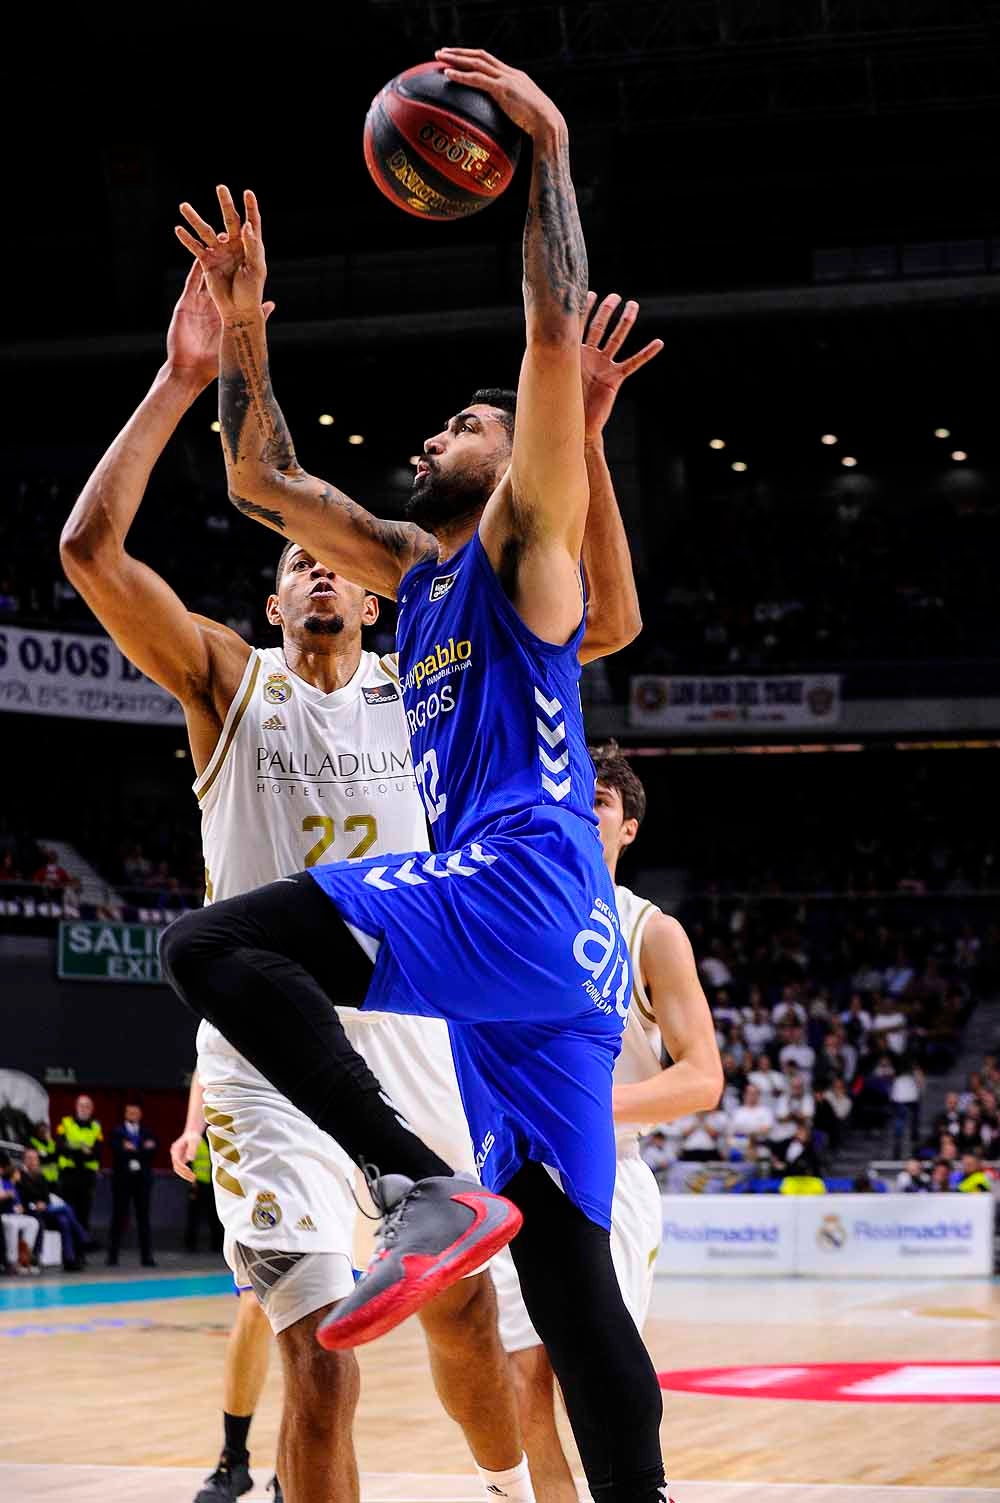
(44, 1145)
(972, 1176)
(80, 1138)
(201, 1202)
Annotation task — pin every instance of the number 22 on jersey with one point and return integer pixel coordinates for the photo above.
(324, 823)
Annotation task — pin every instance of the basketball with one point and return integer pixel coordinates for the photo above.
(438, 149)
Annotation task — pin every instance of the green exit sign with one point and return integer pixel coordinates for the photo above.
(90, 950)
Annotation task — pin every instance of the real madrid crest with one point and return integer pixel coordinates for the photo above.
(277, 689)
(266, 1214)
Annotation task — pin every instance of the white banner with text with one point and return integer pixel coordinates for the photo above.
(86, 678)
(839, 1236)
(796, 702)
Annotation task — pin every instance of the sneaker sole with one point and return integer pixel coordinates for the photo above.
(408, 1295)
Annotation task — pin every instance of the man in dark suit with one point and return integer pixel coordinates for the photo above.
(132, 1152)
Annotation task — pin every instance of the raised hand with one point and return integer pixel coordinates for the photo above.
(193, 335)
(602, 373)
(516, 94)
(232, 261)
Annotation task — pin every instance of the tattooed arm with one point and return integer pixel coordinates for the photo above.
(265, 479)
(533, 527)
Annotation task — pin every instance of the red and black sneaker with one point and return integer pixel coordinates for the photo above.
(433, 1233)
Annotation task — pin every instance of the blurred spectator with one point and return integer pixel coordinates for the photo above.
(20, 1230)
(657, 1153)
(834, 1108)
(50, 873)
(800, 1156)
(790, 1008)
(940, 1177)
(972, 1176)
(857, 1020)
(795, 1109)
(702, 1136)
(914, 1179)
(889, 1024)
(79, 1138)
(751, 1120)
(866, 1183)
(714, 970)
(795, 1054)
(770, 1082)
(758, 1030)
(905, 1093)
(51, 1213)
(950, 1119)
(132, 1151)
(44, 1145)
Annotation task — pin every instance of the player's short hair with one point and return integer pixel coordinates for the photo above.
(282, 561)
(615, 771)
(501, 398)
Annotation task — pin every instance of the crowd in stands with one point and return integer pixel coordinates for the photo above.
(822, 1040)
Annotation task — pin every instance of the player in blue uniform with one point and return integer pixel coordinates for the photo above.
(510, 930)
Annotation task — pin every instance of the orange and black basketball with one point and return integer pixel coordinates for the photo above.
(438, 149)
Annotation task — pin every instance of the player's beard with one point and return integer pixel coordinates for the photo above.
(437, 500)
(323, 626)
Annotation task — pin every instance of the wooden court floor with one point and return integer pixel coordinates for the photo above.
(115, 1396)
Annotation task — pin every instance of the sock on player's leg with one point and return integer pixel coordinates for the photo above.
(236, 1428)
(514, 1483)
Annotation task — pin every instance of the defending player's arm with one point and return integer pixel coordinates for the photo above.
(265, 479)
(184, 1148)
(181, 652)
(694, 1082)
(533, 527)
(613, 616)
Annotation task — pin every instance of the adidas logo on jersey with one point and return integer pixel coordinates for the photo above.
(274, 724)
(305, 1224)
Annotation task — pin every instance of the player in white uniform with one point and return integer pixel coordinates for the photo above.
(668, 1008)
(302, 755)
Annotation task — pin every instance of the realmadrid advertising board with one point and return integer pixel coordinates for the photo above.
(728, 1236)
(902, 1236)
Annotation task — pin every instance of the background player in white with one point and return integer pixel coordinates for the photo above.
(269, 731)
(668, 1008)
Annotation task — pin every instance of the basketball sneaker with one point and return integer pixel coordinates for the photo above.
(230, 1480)
(433, 1233)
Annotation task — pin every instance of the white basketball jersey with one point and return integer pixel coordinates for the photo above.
(299, 778)
(641, 1042)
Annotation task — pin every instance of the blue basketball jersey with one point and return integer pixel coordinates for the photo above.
(494, 713)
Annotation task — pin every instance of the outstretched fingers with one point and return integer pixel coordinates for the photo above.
(199, 225)
(190, 243)
(622, 328)
(230, 216)
(599, 322)
(644, 356)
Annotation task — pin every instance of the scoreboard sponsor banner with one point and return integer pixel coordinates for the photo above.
(85, 678)
(714, 703)
(846, 1236)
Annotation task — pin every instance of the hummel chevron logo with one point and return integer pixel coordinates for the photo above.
(551, 707)
(557, 790)
(552, 737)
(454, 866)
(274, 724)
(305, 1224)
(554, 764)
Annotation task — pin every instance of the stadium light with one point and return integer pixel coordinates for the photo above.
(849, 461)
(738, 466)
(416, 458)
(942, 433)
(717, 443)
(325, 419)
(216, 426)
(828, 438)
(958, 455)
